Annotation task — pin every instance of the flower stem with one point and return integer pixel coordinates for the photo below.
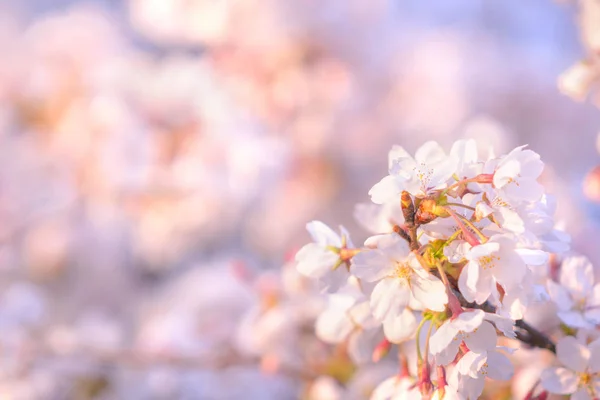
(418, 340)
(460, 205)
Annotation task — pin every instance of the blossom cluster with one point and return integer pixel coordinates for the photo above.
(462, 246)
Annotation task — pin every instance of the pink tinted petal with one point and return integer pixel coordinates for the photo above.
(510, 220)
(389, 298)
(499, 366)
(503, 324)
(482, 338)
(559, 295)
(429, 153)
(471, 388)
(581, 394)
(468, 321)
(594, 297)
(592, 315)
(506, 171)
(315, 261)
(559, 380)
(448, 354)
(397, 248)
(401, 327)
(334, 280)
(345, 234)
(510, 270)
(471, 363)
(371, 265)
(572, 354)
(385, 190)
(574, 319)
(333, 326)
(442, 338)
(430, 292)
(596, 385)
(468, 293)
(322, 234)
(395, 153)
(532, 256)
(362, 343)
(527, 190)
(594, 348)
(482, 250)
(577, 275)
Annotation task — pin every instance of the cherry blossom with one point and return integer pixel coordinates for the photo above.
(429, 170)
(580, 374)
(468, 327)
(576, 296)
(516, 175)
(323, 259)
(496, 261)
(474, 367)
(399, 277)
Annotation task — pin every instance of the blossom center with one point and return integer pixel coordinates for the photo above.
(499, 202)
(488, 262)
(514, 180)
(585, 379)
(484, 369)
(403, 271)
(423, 174)
(462, 335)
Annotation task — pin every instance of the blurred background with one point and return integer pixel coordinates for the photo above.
(159, 160)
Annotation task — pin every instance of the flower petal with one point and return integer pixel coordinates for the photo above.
(499, 366)
(448, 354)
(594, 348)
(581, 394)
(577, 275)
(322, 234)
(371, 265)
(572, 354)
(532, 256)
(430, 291)
(442, 338)
(468, 321)
(574, 319)
(315, 261)
(559, 380)
(482, 338)
(559, 295)
(401, 327)
(389, 297)
(385, 190)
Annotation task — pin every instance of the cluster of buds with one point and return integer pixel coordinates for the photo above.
(460, 249)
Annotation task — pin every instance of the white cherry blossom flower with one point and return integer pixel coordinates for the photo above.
(348, 318)
(473, 368)
(504, 214)
(397, 388)
(468, 327)
(449, 393)
(429, 170)
(466, 154)
(344, 314)
(399, 277)
(496, 261)
(323, 259)
(516, 175)
(580, 376)
(576, 296)
(379, 218)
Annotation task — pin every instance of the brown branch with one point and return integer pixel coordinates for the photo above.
(526, 333)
